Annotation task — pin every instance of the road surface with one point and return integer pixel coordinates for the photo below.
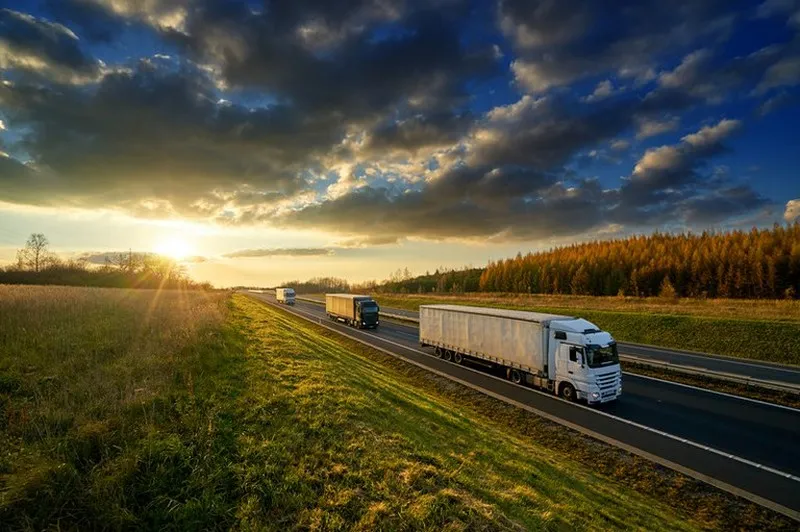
(748, 447)
(740, 367)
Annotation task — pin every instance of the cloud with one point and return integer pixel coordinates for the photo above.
(279, 252)
(792, 211)
(357, 76)
(779, 101)
(561, 42)
(172, 150)
(721, 205)
(38, 46)
(668, 182)
(620, 145)
(712, 79)
(650, 128)
(603, 90)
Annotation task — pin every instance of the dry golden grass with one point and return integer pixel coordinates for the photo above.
(751, 309)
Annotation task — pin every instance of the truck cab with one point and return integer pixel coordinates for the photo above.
(586, 361)
(285, 295)
(367, 313)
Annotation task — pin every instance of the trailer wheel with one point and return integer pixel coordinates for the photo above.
(458, 358)
(437, 352)
(515, 376)
(568, 391)
(448, 355)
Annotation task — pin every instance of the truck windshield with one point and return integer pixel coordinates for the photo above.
(369, 307)
(597, 356)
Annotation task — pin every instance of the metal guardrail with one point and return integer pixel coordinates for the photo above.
(678, 368)
(719, 375)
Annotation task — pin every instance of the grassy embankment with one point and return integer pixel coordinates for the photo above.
(754, 329)
(129, 409)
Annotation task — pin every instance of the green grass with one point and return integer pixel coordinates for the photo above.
(178, 410)
(718, 329)
(110, 408)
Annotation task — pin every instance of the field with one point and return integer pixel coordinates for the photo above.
(756, 329)
(183, 410)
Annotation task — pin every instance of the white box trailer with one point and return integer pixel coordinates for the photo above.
(356, 310)
(569, 356)
(285, 295)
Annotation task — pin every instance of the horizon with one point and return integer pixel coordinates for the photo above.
(262, 146)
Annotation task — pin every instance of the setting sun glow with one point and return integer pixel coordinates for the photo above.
(176, 247)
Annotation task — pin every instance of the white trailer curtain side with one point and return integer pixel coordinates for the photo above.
(510, 337)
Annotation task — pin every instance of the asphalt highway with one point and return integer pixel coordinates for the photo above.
(739, 367)
(744, 446)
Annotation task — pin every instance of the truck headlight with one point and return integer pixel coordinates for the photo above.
(595, 395)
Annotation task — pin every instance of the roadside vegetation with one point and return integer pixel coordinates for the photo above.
(755, 264)
(37, 265)
(759, 330)
(138, 409)
(112, 408)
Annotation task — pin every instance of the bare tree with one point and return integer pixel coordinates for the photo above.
(35, 255)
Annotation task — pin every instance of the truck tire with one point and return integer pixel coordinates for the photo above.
(515, 376)
(448, 355)
(458, 358)
(437, 352)
(568, 392)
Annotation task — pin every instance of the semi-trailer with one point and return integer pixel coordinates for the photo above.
(353, 309)
(285, 295)
(565, 355)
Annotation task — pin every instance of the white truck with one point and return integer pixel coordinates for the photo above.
(353, 309)
(285, 295)
(568, 356)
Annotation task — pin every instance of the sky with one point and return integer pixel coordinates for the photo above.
(263, 141)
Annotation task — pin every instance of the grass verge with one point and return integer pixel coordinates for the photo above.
(112, 409)
(758, 339)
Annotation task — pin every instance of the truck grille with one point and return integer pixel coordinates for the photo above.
(608, 383)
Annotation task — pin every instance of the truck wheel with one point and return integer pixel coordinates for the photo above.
(515, 376)
(437, 352)
(458, 358)
(448, 355)
(568, 391)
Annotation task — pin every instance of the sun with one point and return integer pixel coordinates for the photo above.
(175, 247)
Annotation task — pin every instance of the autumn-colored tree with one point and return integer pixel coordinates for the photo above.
(760, 263)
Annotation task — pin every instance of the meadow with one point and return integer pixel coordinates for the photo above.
(757, 329)
(131, 409)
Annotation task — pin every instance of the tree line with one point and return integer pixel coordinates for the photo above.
(760, 263)
(36, 264)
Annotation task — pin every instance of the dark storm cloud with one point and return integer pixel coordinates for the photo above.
(412, 134)
(279, 252)
(421, 214)
(360, 76)
(668, 184)
(671, 183)
(161, 134)
(37, 46)
(561, 41)
(721, 205)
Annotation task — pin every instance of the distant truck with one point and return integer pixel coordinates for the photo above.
(568, 356)
(285, 295)
(355, 310)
